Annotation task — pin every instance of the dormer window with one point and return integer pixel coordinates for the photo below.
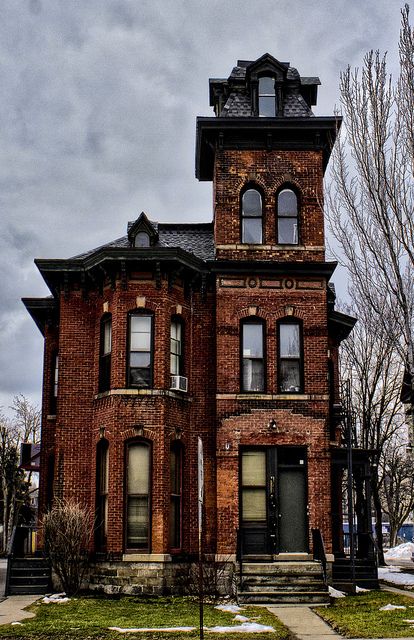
(267, 97)
(142, 239)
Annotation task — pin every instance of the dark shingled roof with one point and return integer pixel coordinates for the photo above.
(299, 93)
(197, 239)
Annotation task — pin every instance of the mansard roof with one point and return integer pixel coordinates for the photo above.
(195, 239)
(234, 98)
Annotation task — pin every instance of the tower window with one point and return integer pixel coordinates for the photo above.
(253, 360)
(290, 357)
(267, 97)
(252, 217)
(287, 217)
(140, 350)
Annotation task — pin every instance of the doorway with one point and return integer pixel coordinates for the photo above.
(273, 500)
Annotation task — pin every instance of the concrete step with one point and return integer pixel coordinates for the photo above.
(276, 588)
(283, 597)
(282, 568)
(252, 579)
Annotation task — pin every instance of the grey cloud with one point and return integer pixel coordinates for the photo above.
(97, 119)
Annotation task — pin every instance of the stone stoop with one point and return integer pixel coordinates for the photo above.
(282, 582)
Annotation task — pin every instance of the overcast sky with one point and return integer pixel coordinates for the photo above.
(97, 120)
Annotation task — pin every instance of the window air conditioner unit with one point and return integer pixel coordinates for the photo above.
(179, 383)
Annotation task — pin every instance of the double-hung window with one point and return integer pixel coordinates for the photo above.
(176, 348)
(105, 354)
(253, 356)
(290, 357)
(138, 496)
(252, 217)
(140, 350)
(267, 97)
(287, 217)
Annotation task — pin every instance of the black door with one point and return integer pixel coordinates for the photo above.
(273, 501)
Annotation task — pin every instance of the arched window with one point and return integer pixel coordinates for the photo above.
(176, 482)
(253, 355)
(267, 97)
(177, 347)
(101, 531)
(142, 239)
(138, 496)
(290, 356)
(287, 217)
(140, 350)
(252, 217)
(105, 350)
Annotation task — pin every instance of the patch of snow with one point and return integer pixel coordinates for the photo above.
(391, 607)
(401, 552)
(396, 576)
(229, 608)
(55, 598)
(409, 621)
(246, 627)
(360, 589)
(160, 629)
(240, 618)
(334, 593)
(14, 623)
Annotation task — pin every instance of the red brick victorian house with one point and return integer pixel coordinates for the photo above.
(224, 331)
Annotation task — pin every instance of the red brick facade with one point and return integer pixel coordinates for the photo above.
(267, 283)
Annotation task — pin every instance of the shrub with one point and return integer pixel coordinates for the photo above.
(67, 531)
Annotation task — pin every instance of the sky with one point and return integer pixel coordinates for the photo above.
(97, 121)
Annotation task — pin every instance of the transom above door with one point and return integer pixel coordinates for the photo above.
(273, 501)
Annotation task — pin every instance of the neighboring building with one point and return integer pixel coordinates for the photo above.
(224, 331)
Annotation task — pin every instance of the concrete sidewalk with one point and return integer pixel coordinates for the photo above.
(11, 609)
(307, 625)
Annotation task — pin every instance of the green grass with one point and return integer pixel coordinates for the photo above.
(90, 617)
(359, 616)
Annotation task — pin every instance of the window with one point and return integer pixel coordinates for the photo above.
(290, 361)
(287, 217)
(176, 349)
(251, 211)
(105, 354)
(253, 361)
(176, 495)
(267, 97)
(101, 530)
(55, 378)
(140, 350)
(138, 507)
(142, 239)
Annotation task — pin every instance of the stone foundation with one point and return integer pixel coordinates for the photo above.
(160, 578)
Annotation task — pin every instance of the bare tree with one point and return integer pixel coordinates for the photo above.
(14, 484)
(397, 488)
(371, 364)
(371, 197)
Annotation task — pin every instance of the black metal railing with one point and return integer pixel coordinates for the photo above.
(319, 552)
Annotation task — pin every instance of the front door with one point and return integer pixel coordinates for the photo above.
(273, 501)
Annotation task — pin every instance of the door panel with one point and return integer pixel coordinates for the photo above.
(273, 501)
(292, 511)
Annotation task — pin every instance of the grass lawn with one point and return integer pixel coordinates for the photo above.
(90, 617)
(359, 616)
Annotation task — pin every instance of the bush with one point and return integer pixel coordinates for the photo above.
(67, 531)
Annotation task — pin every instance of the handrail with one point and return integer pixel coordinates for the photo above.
(239, 554)
(319, 552)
